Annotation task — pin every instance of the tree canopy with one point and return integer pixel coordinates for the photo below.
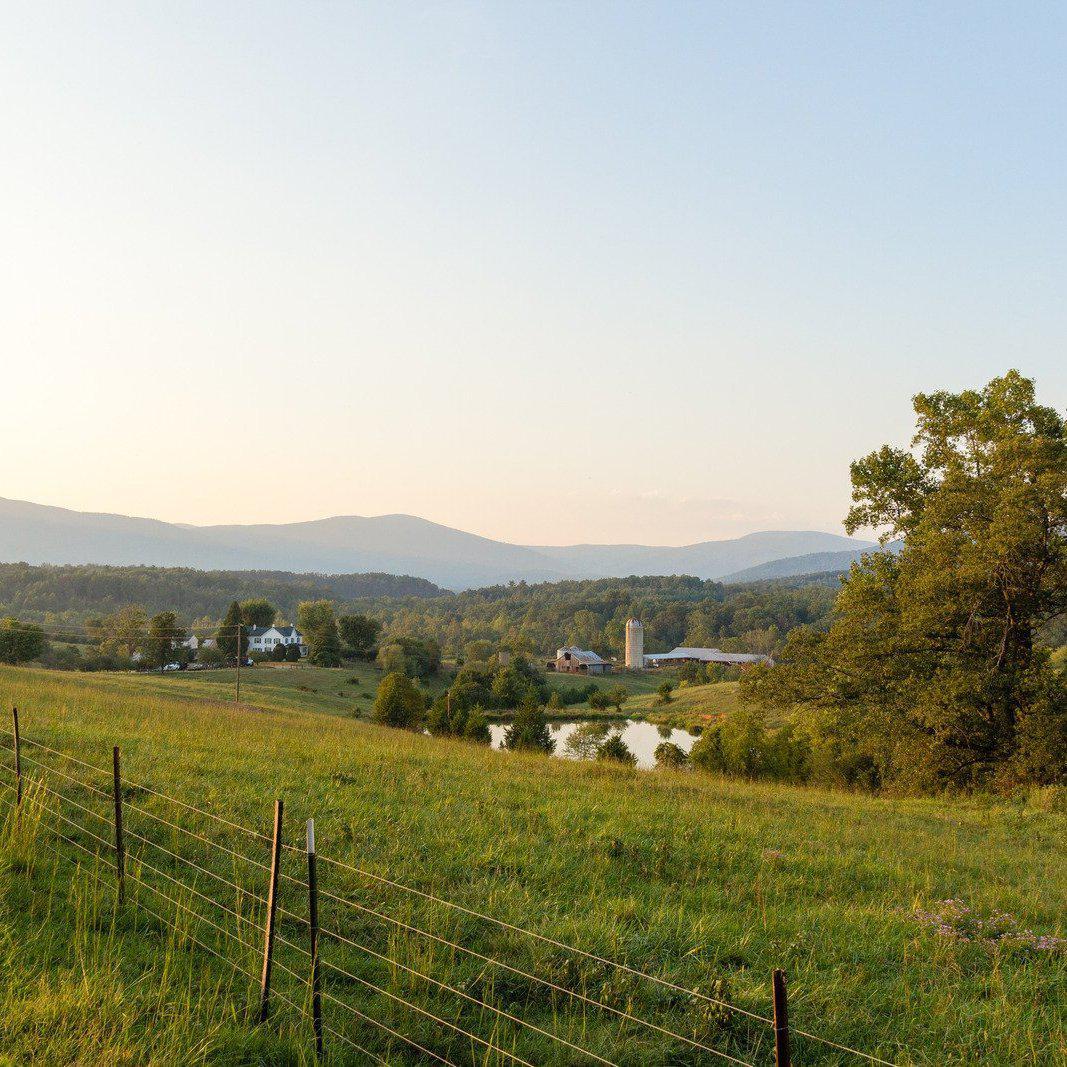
(930, 673)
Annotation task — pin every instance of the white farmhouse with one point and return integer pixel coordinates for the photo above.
(265, 638)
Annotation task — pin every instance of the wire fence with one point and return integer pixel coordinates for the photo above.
(395, 974)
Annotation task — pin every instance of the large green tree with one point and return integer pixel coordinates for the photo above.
(316, 621)
(164, 643)
(231, 636)
(931, 672)
(257, 612)
(121, 634)
(359, 632)
(398, 702)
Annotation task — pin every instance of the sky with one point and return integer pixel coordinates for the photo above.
(550, 273)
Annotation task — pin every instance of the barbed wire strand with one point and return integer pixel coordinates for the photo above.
(518, 971)
(355, 1011)
(66, 796)
(130, 807)
(421, 1011)
(63, 774)
(466, 996)
(107, 773)
(540, 937)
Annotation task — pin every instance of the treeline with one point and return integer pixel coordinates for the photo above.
(533, 619)
(676, 610)
(67, 595)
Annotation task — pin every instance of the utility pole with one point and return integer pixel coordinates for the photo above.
(237, 698)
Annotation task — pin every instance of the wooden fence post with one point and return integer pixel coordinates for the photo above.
(18, 759)
(313, 916)
(120, 848)
(781, 1020)
(272, 912)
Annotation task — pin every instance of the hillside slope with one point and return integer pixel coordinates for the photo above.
(696, 879)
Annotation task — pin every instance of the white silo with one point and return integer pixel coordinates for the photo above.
(635, 645)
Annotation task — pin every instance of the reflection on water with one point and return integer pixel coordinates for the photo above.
(578, 740)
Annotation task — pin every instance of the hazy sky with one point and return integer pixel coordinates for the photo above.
(546, 272)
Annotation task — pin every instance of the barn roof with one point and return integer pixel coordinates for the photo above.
(580, 654)
(707, 655)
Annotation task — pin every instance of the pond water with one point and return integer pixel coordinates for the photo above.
(575, 739)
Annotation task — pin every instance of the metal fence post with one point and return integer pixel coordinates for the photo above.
(18, 759)
(781, 1020)
(272, 912)
(313, 916)
(120, 848)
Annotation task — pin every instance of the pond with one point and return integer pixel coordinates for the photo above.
(576, 739)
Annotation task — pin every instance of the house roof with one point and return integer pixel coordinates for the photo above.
(707, 655)
(283, 631)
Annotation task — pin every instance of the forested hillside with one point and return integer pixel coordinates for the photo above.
(533, 618)
(70, 594)
(675, 610)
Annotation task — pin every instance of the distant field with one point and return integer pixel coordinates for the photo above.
(270, 686)
(331, 689)
(697, 879)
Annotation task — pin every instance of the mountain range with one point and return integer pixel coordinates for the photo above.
(396, 544)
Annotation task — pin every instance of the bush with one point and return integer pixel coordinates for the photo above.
(741, 745)
(599, 701)
(664, 690)
(398, 702)
(20, 641)
(277, 653)
(292, 654)
(530, 730)
(476, 728)
(670, 756)
(614, 748)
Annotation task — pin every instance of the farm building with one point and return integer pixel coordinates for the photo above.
(264, 638)
(573, 660)
(678, 656)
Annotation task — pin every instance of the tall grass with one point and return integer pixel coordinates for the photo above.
(704, 882)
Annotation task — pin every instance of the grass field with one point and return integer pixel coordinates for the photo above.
(350, 690)
(704, 882)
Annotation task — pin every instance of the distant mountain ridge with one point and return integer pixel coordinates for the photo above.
(393, 544)
(810, 563)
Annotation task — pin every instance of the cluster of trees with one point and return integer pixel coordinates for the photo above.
(416, 657)
(932, 673)
(400, 703)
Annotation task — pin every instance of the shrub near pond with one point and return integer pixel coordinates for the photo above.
(398, 702)
(614, 749)
(742, 745)
(530, 730)
(671, 756)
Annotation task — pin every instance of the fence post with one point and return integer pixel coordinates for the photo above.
(18, 759)
(313, 916)
(781, 1020)
(120, 848)
(272, 911)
